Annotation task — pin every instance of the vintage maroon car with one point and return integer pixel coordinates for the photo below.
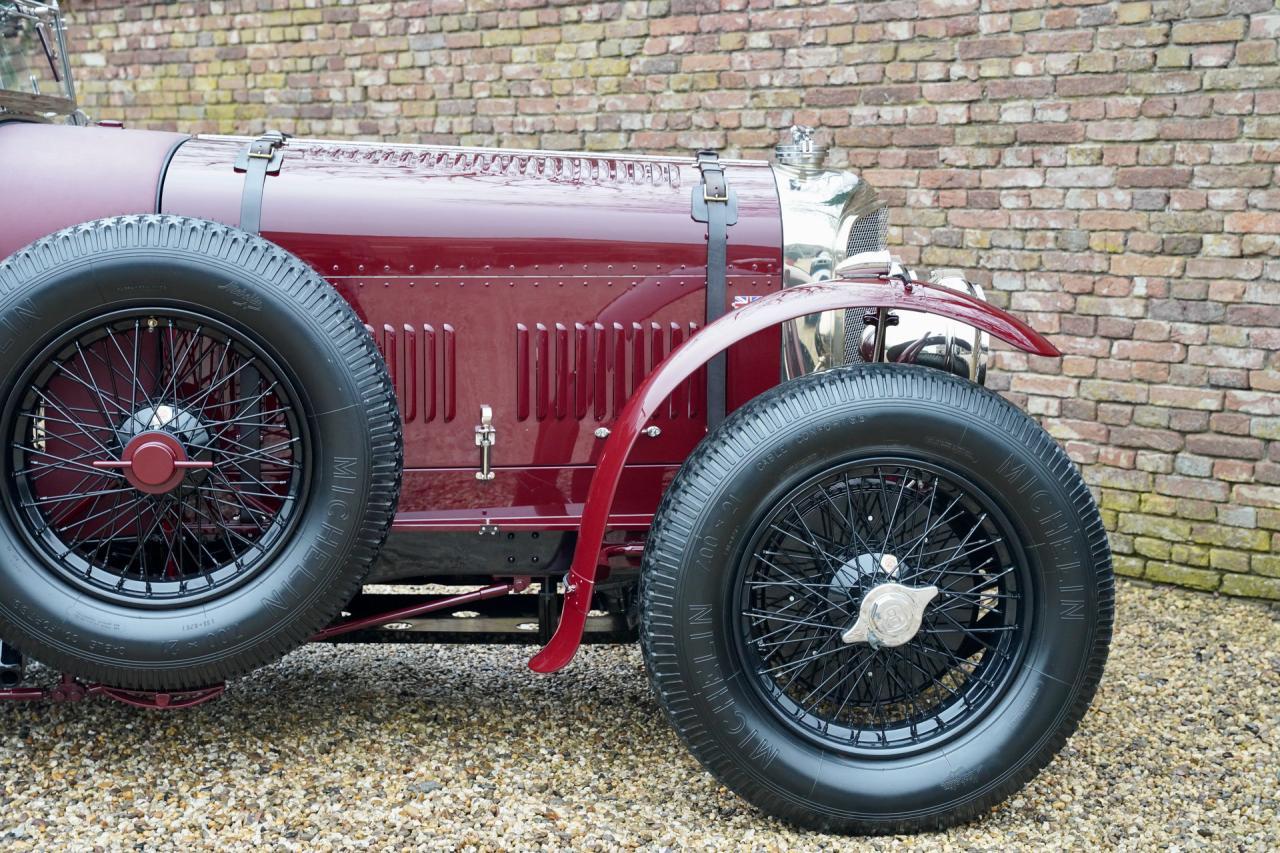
(581, 397)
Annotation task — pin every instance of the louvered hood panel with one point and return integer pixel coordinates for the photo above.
(546, 285)
(588, 371)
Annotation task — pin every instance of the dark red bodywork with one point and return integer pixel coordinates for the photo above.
(546, 286)
(56, 176)
(554, 288)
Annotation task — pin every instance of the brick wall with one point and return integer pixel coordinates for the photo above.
(1107, 169)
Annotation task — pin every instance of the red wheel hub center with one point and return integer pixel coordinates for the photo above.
(154, 462)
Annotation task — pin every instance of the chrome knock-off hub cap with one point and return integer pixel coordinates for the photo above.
(890, 615)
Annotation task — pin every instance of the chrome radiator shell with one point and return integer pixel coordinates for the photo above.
(827, 214)
(834, 225)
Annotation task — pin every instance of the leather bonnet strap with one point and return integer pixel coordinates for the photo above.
(258, 159)
(717, 205)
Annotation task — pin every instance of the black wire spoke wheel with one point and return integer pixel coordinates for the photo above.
(203, 452)
(876, 599)
(157, 455)
(909, 530)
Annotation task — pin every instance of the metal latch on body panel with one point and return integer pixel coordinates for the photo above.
(486, 438)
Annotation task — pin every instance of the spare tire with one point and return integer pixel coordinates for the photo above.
(203, 452)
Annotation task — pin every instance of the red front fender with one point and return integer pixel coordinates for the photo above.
(697, 351)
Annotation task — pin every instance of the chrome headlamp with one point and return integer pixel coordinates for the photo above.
(913, 337)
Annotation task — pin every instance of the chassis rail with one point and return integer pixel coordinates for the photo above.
(370, 614)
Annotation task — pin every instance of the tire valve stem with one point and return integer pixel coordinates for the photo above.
(152, 324)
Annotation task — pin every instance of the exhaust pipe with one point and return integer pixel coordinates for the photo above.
(11, 666)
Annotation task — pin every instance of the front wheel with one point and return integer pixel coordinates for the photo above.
(877, 600)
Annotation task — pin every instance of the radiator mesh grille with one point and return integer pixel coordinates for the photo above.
(870, 234)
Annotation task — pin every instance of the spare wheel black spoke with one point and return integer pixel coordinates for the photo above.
(156, 382)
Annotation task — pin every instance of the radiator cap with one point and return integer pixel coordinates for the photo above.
(800, 150)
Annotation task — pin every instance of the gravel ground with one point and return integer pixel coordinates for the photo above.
(393, 747)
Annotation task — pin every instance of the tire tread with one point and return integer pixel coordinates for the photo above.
(295, 280)
(773, 411)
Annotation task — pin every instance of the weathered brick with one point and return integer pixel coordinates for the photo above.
(1204, 32)
(1063, 132)
(1211, 128)
(1154, 504)
(1186, 398)
(1253, 495)
(1238, 516)
(1193, 465)
(1182, 576)
(1253, 402)
(1229, 561)
(1055, 386)
(1129, 566)
(1268, 428)
(1169, 529)
(1189, 555)
(1235, 268)
(1156, 549)
(1154, 176)
(1254, 587)
(1151, 351)
(981, 48)
(1210, 444)
(1228, 537)
(1157, 462)
(1133, 13)
(1193, 487)
(1107, 170)
(1195, 510)
(1153, 439)
(1122, 391)
(1266, 564)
